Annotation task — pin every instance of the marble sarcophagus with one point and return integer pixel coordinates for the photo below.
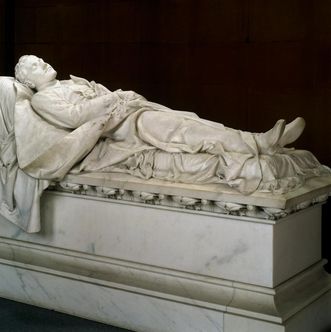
(158, 256)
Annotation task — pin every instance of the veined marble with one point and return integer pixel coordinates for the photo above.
(147, 298)
(110, 305)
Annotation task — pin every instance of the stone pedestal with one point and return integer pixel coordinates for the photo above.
(157, 259)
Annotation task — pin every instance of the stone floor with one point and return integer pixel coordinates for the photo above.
(18, 317)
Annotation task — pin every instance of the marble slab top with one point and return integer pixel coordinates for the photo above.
(316, 187)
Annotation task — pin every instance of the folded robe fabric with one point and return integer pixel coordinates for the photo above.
(19, 192)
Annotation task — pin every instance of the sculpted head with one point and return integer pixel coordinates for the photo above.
(34, 72)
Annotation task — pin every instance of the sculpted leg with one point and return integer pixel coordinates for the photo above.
(173, 132)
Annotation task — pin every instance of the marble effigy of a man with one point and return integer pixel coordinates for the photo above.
(80, 126)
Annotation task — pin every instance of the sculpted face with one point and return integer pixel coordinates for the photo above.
(37, 72)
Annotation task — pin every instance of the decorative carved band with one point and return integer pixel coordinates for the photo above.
(191, 203)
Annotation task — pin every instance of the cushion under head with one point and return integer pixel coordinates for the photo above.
(22, 91)
(11, 85)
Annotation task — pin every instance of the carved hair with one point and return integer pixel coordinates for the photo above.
(20, 74)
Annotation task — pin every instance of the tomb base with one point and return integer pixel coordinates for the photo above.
(146, 267)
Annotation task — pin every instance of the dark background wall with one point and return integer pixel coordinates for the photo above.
(245, 63)
(2, 36)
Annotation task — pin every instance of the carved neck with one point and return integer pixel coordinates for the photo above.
(46, 85)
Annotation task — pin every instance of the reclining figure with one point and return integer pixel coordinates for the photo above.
(80, 126)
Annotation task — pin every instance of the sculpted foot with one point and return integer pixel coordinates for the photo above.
(269, 141)
(292, 131)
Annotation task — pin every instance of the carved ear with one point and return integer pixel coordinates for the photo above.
(29, 84)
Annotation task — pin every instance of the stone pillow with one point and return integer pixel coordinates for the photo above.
(23, 92)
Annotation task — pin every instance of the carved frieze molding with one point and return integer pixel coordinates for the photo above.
(191, 203)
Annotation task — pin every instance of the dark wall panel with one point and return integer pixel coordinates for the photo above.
(7, 15)
(280, 21)
(2, 36)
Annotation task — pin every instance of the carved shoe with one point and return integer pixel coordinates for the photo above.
(292, 131)
(268, 142)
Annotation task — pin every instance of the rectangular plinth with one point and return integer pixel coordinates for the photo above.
(241, 249)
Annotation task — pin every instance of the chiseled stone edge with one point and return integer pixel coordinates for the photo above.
(192, 203)
(270, 304)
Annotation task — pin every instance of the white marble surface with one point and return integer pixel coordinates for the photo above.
(296, 243)
(171, 238)
(125, 309)
(151, 299)
(263, 303)
(179, 239)
(275, 305)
